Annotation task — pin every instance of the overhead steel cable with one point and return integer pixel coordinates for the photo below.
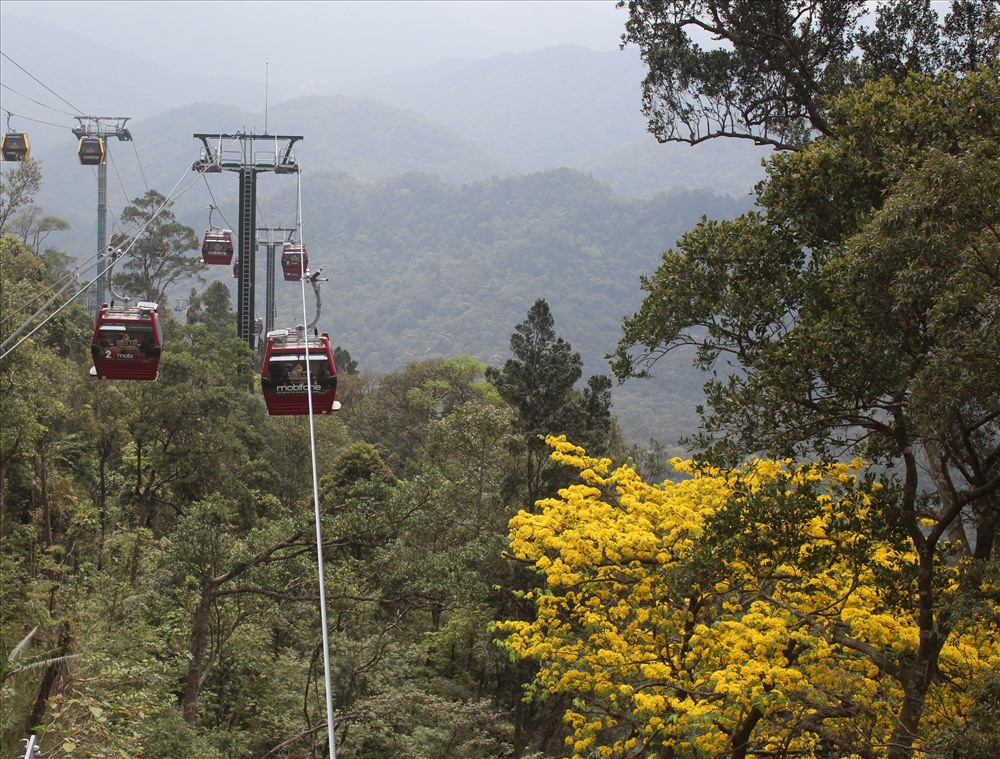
(13, 335)
(138, 162)
(215, 204)
(36, 79)
(118, 176)
(331, 736)
(55, 313)
(166, 201)
(75, 274)
(29, 118)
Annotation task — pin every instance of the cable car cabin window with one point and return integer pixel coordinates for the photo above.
(126, 342)
(287, 374)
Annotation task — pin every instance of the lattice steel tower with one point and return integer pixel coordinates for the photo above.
(248, 154)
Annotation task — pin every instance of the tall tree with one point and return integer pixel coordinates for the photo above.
(18, 188)
(229, 553)
(393, 410)
(33, 227)
(345, 364)
(155, 249)
(213, 308)
(538, 382)
(858, 316)
(764, 69)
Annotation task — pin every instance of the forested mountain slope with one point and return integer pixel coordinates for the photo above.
(419, 269)
(432, 198)
(419, 266)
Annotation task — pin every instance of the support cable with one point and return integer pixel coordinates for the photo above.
(331, 737)
(114, 260)
(41, 83)
(71, 275)
(13, 335)
(29, 118)
(55, 313)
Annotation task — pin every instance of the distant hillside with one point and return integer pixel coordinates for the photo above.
(567, 106)
(553, 107)
(97, 79)
(419, 268)
(371, 140)
(461, 119)
(645, 167)
(441, 202)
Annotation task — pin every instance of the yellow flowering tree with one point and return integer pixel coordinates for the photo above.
(855, 313)
(747, 612)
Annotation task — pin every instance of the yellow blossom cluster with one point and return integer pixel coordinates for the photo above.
(667, 630)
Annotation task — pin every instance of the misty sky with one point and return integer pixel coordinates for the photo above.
(344, 40)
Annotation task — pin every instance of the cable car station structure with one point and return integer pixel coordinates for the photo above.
(253, 154)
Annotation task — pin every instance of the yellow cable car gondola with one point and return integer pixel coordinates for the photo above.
(14, 146)
(91, 151)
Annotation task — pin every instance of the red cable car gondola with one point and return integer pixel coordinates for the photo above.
(294, 261)
(218, 247)
(127, 342)
(283, 378)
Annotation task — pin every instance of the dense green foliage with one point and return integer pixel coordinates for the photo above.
(159, 592)
(781, 60)
(857, 314)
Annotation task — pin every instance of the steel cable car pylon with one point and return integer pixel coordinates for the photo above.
(248, 163)
(92, 151)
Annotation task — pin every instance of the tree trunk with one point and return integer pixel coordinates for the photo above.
(917, 678)
(4, 466)
(42, 490)
(199, 644)
(102, 497)
(49, 680)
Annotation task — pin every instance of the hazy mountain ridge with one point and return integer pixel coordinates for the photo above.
(372, 140)
(552, 107)
(419, 268)
(463, 119)
(103, 81)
